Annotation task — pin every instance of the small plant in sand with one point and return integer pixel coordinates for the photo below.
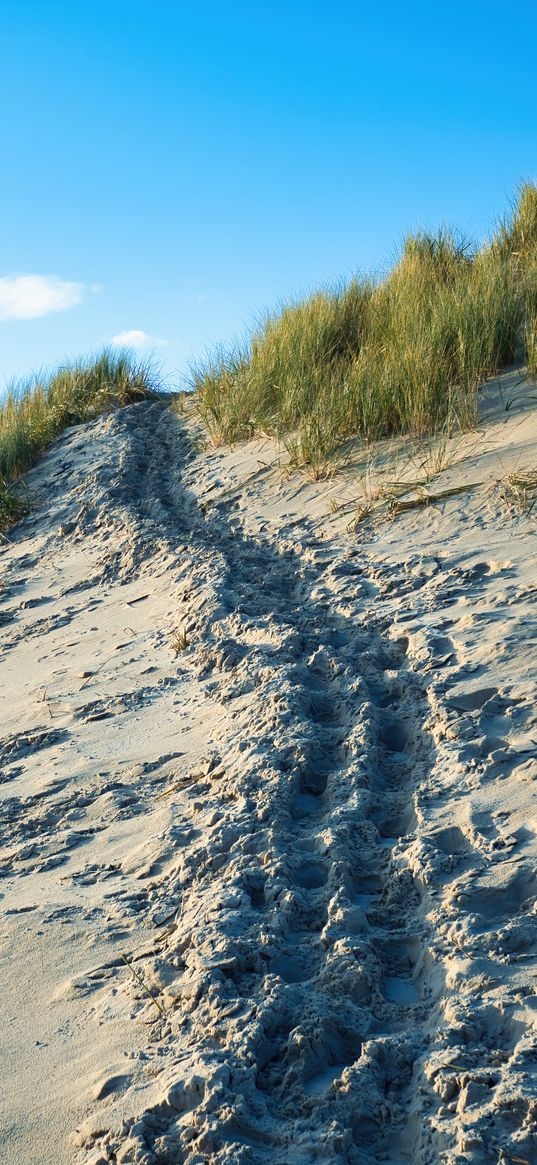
(313, 449)
(180, 641)
(519, 490)
(370, 479)
(435, 457)
(14, 503)
(178, 403)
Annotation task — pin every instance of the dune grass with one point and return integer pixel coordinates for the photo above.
(33, 413)
(404, 355)
(519, 490)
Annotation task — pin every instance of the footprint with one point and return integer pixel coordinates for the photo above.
(397, 989)
(493, 903)
(330, 1051)
(365, 1130)
(255, 890)
(312, 681)
(471, 701)
(393, 736)
(362, 887)
(314, 780)
(305, 805)
(321, 710)
(399, 955)
(271, 1056)
(109, 1085)
(489, 1025)
(311, 875)
(451, 841)
(321, 1081)
(337, 639)
(297, 968)
(399, 825)
(442, 650)
(477, 571)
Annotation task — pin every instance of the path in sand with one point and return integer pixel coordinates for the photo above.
(313, 834)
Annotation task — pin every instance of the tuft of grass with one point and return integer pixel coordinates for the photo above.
(313, 447)
(180, 641)
(403, 356)
(292, 365)
(34, 412)
(14, 504)
(519, 490)
(516, 236)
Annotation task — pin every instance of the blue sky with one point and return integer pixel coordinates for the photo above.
(179, 167)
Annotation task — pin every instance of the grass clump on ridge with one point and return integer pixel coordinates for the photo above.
(405, 355)
(32, 414)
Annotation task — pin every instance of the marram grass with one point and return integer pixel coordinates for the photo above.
(406, 355)
(34, 413)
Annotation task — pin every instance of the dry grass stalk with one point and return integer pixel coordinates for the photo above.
(147, 990)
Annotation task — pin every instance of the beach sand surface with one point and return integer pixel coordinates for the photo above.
(268, 789)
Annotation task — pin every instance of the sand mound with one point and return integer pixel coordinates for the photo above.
(272, 898)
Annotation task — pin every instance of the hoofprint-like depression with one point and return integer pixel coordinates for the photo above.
(340, 960)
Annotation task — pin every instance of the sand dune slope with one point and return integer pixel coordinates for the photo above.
(272, 898)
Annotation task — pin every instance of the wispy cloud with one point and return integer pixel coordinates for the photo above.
(134, 338)
(25, 297)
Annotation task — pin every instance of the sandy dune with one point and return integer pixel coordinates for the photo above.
(273, 898)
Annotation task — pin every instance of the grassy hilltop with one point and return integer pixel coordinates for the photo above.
(405, 355)
(33, 414)
(369, 359)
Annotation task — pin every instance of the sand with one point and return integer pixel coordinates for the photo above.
(269, 897)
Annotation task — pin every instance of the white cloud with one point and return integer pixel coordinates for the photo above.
(25, 297)
(137, 339)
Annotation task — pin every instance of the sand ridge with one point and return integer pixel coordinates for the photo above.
(312, 834)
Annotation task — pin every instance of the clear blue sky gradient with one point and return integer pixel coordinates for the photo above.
(203, 161)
